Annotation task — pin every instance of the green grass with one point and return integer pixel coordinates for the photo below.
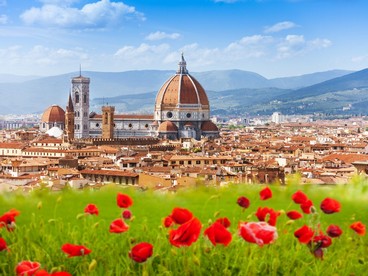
(42, 230)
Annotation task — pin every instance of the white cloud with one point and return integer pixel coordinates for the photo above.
(285, 25)
(3, 19)
(249, 46)
(359, 59)
(100, 14)
(294, 45)
(162, 35)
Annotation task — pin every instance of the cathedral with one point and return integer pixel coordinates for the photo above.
(181, 110)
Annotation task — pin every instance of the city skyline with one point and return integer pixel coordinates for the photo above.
(274, 38)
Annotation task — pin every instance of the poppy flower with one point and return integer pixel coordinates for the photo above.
(8, 219)
(262, 213)
(358, 227)
(127, 214)
(299, 197)
(186, 234)
(123, 200)
(168, 221)
(294, 215)
(118, 226)
(334, 231)
(74, 250)
(260, 233)
(224, 221)
(141, 252)
(3, 245)
(265, 193)
(45, 273)
(27, 268)
(306, 206)
(304, 234)
(218, 234)
(91, 209)
(243, 202)
(322, 241)
(181, 215)
(330, 206)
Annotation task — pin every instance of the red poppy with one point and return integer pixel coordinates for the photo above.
(118, 226)
(168, 221)
(127, 214)
(218, 234)
(260, 233)
(74, 250)
(304, 234)
(322, 241)
(141, 252)
(266, 193)
(3, 245)
(8, 219)
(358, 227)
(224, 221)
(124, 201)
(186, 234)
(330, 206)
(27, 268)
(334, 231)
(306, 206)
(243, 202)
(294, 215)
(181, 215)
(262, 213)
(299, 197)
(45, 273)
(91, 209)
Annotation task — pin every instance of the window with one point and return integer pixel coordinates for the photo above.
(169, 114)
(198, 162)
(189, 115)
(130, 125)
(181, 162)
(76, 97)
(84, 98)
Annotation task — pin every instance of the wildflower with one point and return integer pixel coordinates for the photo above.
(127, 214)
(262, 213)
(45, 273)
(218, 234)
(299, 197)
(75, 250)
(118, 226)
(8, 219)
(224, 221)
(27, 268)
(181, 215)
(322, 241)
(260, 233)
(334, 231)
(330, 206)
(168, 221)
(141, 252)
(304, 234)
(306, 206)
(3, 245)
(91, 209)
(186, 234)
(358, 227)
(243, 202)
(124, 201)
(294, 215)
(265, 193)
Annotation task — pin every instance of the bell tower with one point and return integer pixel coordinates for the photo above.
(80, 99)
(108, 122)
(69, 120)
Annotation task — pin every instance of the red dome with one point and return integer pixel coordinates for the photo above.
(209, 126)
(167, 126)
(53, 114)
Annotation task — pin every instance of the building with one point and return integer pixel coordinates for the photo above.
(181, 110)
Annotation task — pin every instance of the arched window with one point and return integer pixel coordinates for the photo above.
(76, 97)
(84, 98)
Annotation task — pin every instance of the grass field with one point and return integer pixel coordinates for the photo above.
(49, 220)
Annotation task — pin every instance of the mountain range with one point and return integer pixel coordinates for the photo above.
(229, 91)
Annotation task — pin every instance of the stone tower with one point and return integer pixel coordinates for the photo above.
(108, 122)
(80, 98)
(69, 120)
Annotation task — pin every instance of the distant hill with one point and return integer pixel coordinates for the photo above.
(134, 90)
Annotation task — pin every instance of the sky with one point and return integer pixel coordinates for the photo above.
(274, 38)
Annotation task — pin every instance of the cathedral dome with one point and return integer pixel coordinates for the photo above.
(53, 114)
(167, 126)
(180, 90)
(209, 126)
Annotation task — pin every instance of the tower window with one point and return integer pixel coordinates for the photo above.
(84, 98)
(77, 97)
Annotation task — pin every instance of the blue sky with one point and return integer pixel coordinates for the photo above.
(274, 38)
